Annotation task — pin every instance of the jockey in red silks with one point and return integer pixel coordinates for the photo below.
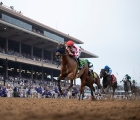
(74, 51)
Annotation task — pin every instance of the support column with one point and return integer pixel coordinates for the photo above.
(19, 69)
(42, 54)
(6, 71)
(52, 75)
(20, 47)
(42, 73)
(6, 49)
(32, 72)
(51, 56)
(32, 51)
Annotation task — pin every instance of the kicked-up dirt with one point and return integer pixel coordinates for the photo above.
(68, 109)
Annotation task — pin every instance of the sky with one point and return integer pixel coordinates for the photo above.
(109, 28)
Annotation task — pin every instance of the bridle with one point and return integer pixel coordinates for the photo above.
(103, 73)
(62, 52)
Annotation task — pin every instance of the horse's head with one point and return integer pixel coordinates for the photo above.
(60, 51)
(102, 73)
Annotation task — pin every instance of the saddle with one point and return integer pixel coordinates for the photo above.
(81, 61)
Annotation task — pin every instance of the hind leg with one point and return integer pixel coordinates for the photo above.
(71, 77)
(81, 91)
(71, 84)
(92, 92)
(99, 88)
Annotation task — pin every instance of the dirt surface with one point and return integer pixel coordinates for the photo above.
(64, 109)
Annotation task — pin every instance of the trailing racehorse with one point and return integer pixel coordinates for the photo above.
(134, 90)
(69, 68)
(93, 78)
(127, 87)
(107, 82)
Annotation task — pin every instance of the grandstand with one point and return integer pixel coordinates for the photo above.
(29, 46)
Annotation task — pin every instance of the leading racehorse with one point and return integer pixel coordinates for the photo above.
(69, 68)
(107, 82)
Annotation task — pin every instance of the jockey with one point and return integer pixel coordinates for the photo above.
(108, 70)
(74, 51)
(128, 77)
(134, 82)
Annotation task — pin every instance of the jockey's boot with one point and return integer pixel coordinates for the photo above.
(79, 64)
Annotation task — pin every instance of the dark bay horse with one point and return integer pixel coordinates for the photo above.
(92, 79)
(69, 68)
(127, 87)
(107, 82)
(134, 90)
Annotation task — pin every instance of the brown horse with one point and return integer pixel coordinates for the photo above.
(92, 79)
(69, 68)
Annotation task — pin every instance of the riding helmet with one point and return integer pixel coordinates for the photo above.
(70, 43)
(106, 67)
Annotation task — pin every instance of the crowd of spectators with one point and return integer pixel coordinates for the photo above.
(27, 56)
(28, 88)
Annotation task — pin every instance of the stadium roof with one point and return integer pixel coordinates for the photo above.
(17, 15)
(28, 37)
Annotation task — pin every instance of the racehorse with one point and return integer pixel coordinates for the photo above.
(127, 86)
(134, 90)
(107, 82)
(93, 79)
(69, 68)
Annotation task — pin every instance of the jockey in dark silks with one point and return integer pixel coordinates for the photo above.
(133, 83)
(108, 70)
(128, 77)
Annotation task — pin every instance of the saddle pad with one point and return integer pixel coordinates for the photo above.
(94, 75)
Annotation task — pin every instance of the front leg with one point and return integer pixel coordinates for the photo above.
(59, 79)
(71, 77)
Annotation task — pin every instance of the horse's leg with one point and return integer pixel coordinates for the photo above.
(81, 88)
(71, 84)
(92, 92)
(71, 77)
(82, 94)
(107, 91)
(127, 94)
(99, 88)
(113, 92)
(59, 86)
(59, 79)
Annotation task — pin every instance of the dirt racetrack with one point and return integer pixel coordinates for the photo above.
(65, 109)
